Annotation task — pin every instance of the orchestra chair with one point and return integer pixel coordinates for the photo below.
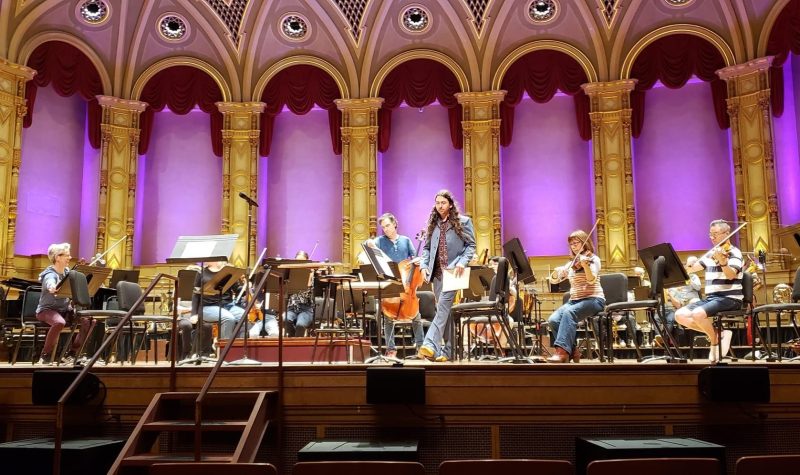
(495, 309)
(82, 303)
(506, 467)
(358, 468)
(792, 308)
(210, 468)
(655, 466)
(337, 284)
(768, 464)
(427, 310)
(737, 316)
(29, 325)
(127, 294)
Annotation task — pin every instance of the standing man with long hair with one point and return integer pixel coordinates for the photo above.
(449, 248)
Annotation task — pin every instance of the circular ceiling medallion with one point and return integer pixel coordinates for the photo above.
(294, 27)
(93, 12)
(415, 19)
(542, 11)
(678, 3)
(172, 27)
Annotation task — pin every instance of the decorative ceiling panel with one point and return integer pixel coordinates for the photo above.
(478, 9)
(231, 12)
(608, 10)
(353, 11)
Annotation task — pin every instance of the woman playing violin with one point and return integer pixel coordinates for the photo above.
(723, 266)
(586, 297)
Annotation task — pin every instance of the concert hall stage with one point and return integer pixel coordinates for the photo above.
(472, 410)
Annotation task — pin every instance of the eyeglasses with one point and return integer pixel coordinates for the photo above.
(713, 235)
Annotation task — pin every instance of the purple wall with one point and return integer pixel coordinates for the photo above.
(787, 159)
(681, 151)
(304, 191)
(51, 175)
(90, 200)
(181, 185)
(547, 188)
(420, 161)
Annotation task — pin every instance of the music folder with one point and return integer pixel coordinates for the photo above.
(450, 282)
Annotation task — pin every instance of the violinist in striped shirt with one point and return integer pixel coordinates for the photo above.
(723, 266)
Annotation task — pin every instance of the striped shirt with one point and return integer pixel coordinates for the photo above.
(716, 281)
(580, 288)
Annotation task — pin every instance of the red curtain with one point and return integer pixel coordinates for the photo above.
(418, 83)
(541, 74)
(299, 88)
(70, 72)
(673, 60)
(783, 39)
(181, 88)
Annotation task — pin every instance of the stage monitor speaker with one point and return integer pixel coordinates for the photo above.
(734, 383)
(395, 385)
(49, 385)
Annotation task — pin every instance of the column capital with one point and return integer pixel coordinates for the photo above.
(124, 104)
(757, 65)
(371, 103)
(17, 69)
(477, 97)
(610, 87)
(240, 107)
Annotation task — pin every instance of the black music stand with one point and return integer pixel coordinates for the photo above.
(385, 270)
(95, 276)
(674, 275)
(123, 275)
(518, 260)
(202, 249)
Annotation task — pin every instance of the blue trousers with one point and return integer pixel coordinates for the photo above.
(564, 321)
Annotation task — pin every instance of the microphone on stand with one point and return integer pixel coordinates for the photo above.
(249, 200)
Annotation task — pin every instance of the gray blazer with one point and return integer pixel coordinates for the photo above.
(459, 251)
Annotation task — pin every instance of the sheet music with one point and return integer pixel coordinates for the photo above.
(383, 261)
(198, 249)
(451, 282)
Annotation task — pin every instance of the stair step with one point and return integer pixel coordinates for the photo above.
(185, 426)
(144, 460)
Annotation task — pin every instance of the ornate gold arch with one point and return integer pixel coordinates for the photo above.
(37, 40)
(158, 66)
(713, 38)
(769, 23)
(453, 66)
(329, 68)
(566, 48)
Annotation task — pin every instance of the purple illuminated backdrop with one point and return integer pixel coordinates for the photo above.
(51, 175)
(304, 188)
(547, 189)
(179, 186)
(787, 159)
(682, 169)
(420, 161)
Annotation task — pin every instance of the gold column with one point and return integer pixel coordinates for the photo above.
(613, 171)
(753, 154)
(359, 172)
(12, 110)
(240, 132)
(481, 123)
(118, 161)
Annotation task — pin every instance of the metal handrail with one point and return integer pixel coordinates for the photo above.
(198, 412)
(72, 387)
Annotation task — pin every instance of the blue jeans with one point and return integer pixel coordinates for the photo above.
(564, 321)
(442, 325)
(226, 317)
(299, 319)
(416, 328)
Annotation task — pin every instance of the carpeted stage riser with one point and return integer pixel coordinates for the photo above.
(515, 441)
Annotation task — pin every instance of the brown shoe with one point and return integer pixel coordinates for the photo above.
(560, 356)
(576, 355)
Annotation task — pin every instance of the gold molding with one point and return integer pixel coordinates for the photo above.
(233, 107)
(755, 66)
(159, 66)
(17, 69)
(681, 28)
(769, 23)
(125, 104)
(442, 58)
(284, 63)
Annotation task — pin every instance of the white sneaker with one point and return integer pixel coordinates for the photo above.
(727, 336)
(713, 354)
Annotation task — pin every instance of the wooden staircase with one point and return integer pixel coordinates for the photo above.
(232, 427)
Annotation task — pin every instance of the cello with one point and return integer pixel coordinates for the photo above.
(406, 306)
